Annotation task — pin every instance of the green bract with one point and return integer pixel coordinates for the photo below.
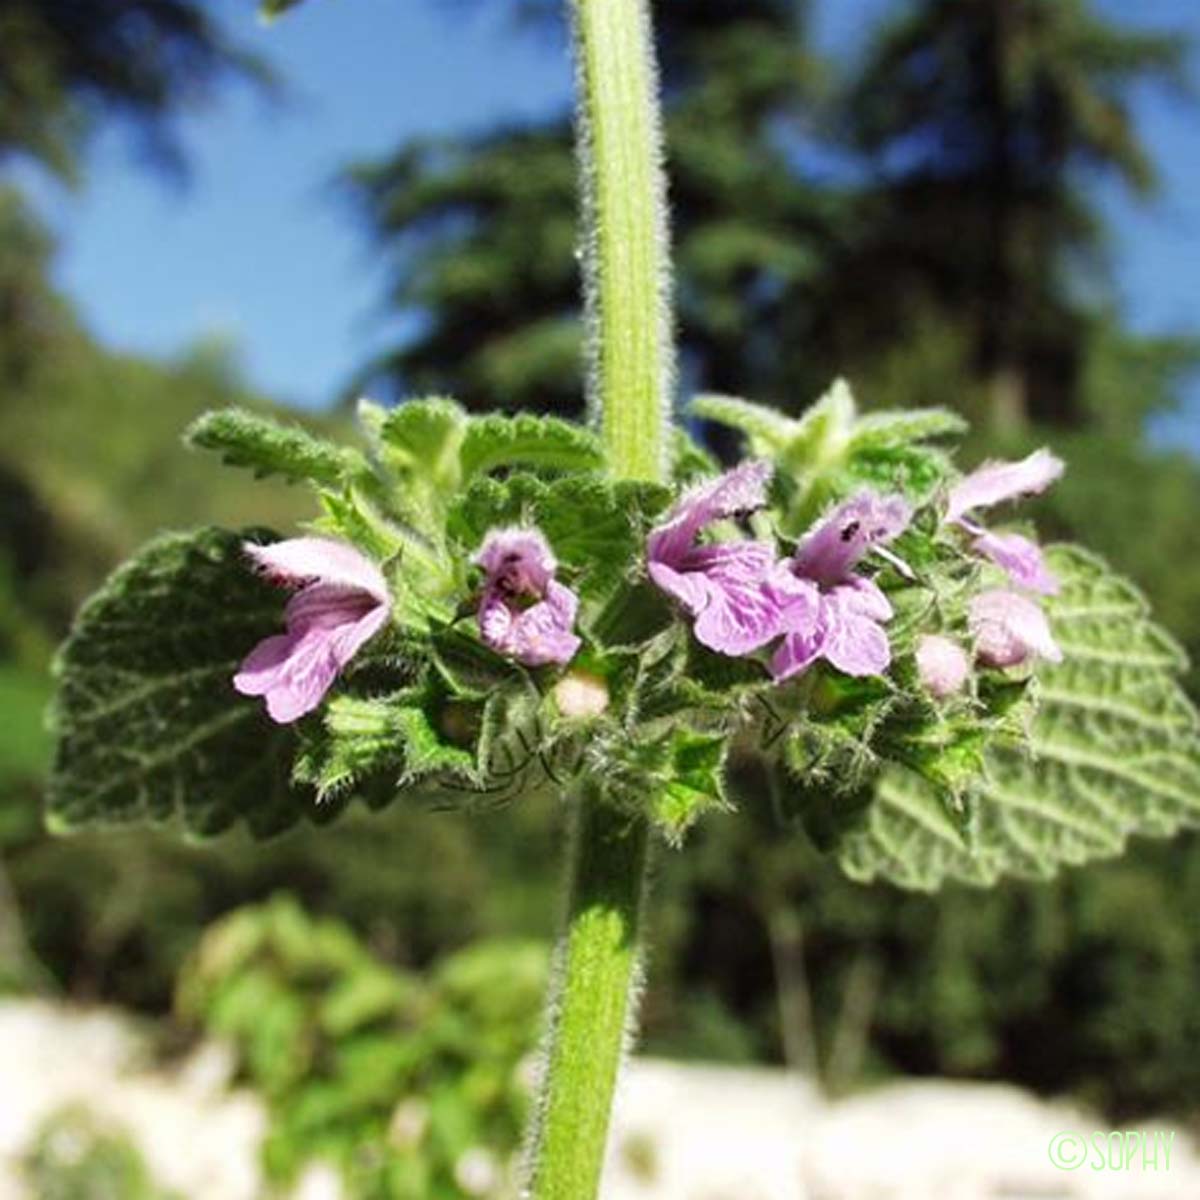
(1015, 776)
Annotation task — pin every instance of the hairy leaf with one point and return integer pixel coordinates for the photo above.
(768, 432)
(149, 726)
(695, 783)
(592, 524)
(246, 439)
(903, 427)
(528, 441)
(423, 438)
(1115, 752)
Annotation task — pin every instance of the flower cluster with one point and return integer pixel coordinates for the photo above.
(817, 603)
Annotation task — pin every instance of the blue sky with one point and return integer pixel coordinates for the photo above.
(261, 249)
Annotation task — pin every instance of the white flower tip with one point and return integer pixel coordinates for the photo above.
(942, 665)
(581, 694)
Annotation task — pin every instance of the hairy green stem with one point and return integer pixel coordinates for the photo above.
(627, 247)
(627, 276)
(591, 1002)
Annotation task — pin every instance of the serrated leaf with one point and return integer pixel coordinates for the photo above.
(905, 426)
(424, 437)
(267, 447)
(824, 426)
(767, 431)
(695, 782)
(690, 461)
(468, 667)
(385, 745)
(914, 471)
(526, 440)
(593, 524)
(148, 725)
(1116, 753)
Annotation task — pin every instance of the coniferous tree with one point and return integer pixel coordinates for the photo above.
(986, 120)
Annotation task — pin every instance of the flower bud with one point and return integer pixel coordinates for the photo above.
(581, 694)
(1009, 629)
(942, 665)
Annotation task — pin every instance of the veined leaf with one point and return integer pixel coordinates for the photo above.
(695, 783)
(423, 438)
(1115, 752)
(267, 447)
(767, 431)
(592, 523)
(148, 725)
(904, 426)
(526, 440)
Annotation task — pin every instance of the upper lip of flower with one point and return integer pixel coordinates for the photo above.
(342, 601)
(520, 566)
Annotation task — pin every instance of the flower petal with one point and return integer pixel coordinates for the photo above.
(856, 644)
(536, 636)
(691, 588)
(295, 670)
(298, 561)
(1020, 558)
(743, 489)
(741, 617)
(797, 652)
(864, 597)
(1009, 629)
(519, 559)
(834, 546)
(998, 481)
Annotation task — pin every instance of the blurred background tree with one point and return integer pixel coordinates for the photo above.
(67, 67)
(924, 220)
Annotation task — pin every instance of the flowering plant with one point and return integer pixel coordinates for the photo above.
(496, 608)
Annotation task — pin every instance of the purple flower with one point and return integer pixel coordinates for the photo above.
(834, 614)
(342, 603)
(734, 590)
(991, 484)
(525, 613)
(1009, 629)
(995, 482)
(942, 665)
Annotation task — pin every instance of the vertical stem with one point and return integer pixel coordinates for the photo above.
(590, 1007)
(629, 344)
(627, 247)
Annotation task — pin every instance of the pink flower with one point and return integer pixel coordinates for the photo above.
(342, 603)
(942, 665)
(996, 482)
(723, 585)
(1009, 629)
(991, 484)
(525, 613)
(834, 614)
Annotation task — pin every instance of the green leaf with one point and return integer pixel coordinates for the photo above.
(690, 461)
(1115, 753)
(768, 432)
(423, 438)
(394, 734)
(148, 725)
(905, 426)
(528, 441)
(267, 447)
(824, 431)
(594, 525)
(695, 782)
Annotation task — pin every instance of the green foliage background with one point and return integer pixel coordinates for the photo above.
(762, 949)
